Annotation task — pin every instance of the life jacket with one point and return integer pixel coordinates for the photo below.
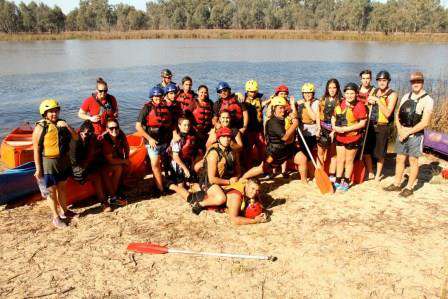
(226, 164)
(235, 109)
(255, 112)
(159, 114)
(54, 141)
(326, 109)
(303, 115)
(120, 146)
(408, 112)
(377, 117)
(189, 147)
(203, 114)
(107, 111)
(345, 118)
(362, 97)
(186, 101)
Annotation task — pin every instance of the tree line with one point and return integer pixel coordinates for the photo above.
(340, 15)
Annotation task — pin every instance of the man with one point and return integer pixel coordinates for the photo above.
(167, 77)
(414, 115)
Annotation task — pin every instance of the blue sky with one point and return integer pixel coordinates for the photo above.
(68, 5)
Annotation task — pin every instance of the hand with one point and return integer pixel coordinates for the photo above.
(242, 130)
(292, 100)
(38, 173)
(318, 132)
(217, 126)
(301, 101)
(95, 118)
(332, 136)
(152, 143)
(372, 100)
(186, 172)
(61, 124)
(336, 129)
(261, 218)
(233, 180)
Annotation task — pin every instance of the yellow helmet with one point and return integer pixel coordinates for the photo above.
(251, 85)
(308, 87)
(48, 104)
(278, 101)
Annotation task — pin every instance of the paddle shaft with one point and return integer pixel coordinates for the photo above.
(307, 148)
(365, 134)
(230, 255)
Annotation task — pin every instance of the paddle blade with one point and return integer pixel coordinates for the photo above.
(147, 248)
(359, 172)
(323, 181)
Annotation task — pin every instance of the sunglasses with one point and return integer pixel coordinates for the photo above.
(416, 81)
(113, 128)
(102, 90)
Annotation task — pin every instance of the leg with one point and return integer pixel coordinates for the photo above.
(369, 164)
(349, 159)
(333, 162)
(215, 197)
(254, 171)
(413, 161)
(321, 156)
(52, 201)
(61, 191)
(340, 161)
(379, 169)
(180, 191)
(302, 162)
(157, 171)
(95, 178)
(399, 169)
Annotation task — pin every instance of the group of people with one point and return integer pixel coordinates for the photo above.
(211, 153)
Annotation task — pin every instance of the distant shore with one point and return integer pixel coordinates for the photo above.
(230, 34)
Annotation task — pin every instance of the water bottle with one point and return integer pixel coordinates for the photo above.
(43, 190)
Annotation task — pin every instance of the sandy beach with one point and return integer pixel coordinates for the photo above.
(365, 243)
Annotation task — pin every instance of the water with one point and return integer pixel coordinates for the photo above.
(66, 70)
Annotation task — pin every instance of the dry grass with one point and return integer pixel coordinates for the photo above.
(231, 34)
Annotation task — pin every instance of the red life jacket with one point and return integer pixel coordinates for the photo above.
(186, 100)
(159, 115)
(235, 109)
(107, 110)
(189, 147)
(362, 97)
(203, 114)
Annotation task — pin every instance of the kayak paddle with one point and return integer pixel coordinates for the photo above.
(359, 168)
(152, 248)
(322, 180)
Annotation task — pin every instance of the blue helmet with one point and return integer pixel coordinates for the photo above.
(156, 91)
(170, 87)
(222, 85)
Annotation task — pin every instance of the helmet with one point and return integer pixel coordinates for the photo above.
(351, 86)
(251, 85)
(383, 75)
(156, 91)
(223, 131)
(166, 73)
(170, 87)
(222, 85)
(308, 87)
(48, 104)
(278, 101)
(253, 210)
(281, 88)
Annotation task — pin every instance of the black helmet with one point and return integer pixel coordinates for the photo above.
(383, 75)
(166, 73)
(351, 86)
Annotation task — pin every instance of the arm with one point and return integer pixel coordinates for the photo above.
(212, 163)
(245, 121)
(178, 160)
(312, 114)
(211, 139)
(291, 130)
(152, 142)
(234, 209)
(62, 123)
(214, 120)
(361, 124)
(85, 116)
(389, 109)
(239, 142)
(37, 154)
(426, 119)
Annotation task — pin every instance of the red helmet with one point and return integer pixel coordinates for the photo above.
(253, 210)
(281, 88)
(445, 173)
(223, 131)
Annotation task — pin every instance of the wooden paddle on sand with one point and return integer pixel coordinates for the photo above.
(322, 180)
(359, 168)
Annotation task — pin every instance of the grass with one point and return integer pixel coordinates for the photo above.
(230, 34)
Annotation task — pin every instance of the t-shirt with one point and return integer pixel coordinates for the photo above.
(92, 107)
(424, 104)
(161, 135)
(360, 113)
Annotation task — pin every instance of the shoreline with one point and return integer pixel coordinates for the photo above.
(230, 34)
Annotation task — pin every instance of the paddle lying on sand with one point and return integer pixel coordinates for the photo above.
(359, 168)
(158, 249)
(322, 180)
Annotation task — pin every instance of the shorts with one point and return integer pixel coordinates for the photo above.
(324, 140)
(178, 175)
(54, 179)
(56, 170)
(351, 145)
(159, 150)
(311, 141)
(412, 146)
(376, 143)
(279, 154)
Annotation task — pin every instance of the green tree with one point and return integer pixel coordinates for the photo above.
(9, 17)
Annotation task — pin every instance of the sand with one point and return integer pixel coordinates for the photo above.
(361, 244)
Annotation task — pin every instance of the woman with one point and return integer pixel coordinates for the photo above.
(87, 162)
(51, 142)
(99, 107)
(349, 119)
(325, 142)
(186, 97)
(154, 124)
(116, 153)
(224, 122)
(202, 115)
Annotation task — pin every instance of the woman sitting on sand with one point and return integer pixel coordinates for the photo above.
(224, 122)
(348, 120)
(242, 201)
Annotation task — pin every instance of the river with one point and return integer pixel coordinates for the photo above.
(66, 70)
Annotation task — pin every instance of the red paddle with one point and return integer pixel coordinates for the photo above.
(152, 248)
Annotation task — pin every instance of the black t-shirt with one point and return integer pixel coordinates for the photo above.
(275, 130)
(159, 134)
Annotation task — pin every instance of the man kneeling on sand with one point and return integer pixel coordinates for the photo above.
(242, 202)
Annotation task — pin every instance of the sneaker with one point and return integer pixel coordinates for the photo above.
(392, 187)
(197, 208)
(68, 214)
(343, 186)
(106, 207)
(332, 178)
(406, 192)
(58, 223)
(118, 202)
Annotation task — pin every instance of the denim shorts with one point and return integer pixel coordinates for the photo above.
(159, 150)
(412, 146)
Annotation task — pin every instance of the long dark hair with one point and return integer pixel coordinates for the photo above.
(338, 95)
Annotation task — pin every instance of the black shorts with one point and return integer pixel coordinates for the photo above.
(279, 154)
(350, 146)
(311, 141)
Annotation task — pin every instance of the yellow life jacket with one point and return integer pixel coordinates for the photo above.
(345, 118)
(326, 109)
(377, 117)
(302, 112)
(54, 141)
(257, 105)
(239, 186)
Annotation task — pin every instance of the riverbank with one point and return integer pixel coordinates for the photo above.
(231, 34)
(364, 243)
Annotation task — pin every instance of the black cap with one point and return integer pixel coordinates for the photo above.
(351, 86)
(166, 73)
(383, 75)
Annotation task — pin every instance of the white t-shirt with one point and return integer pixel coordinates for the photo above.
(424, 104)
(311, 130)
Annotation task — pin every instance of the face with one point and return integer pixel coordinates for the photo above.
(52, 114)
(332, 90)
(225, 141)
(417, 86)
(167, 79)
(202, 94)
(252, 190)
(350, 95)
(85, 134)
(283, 94)
(308, 96)
(101, 90)
(224, 119)
(171, 95)
(382, 83)
(366, 80)
(187, 85)
(156, 99)
(251, 94)
(112, 128)
(184, 126)
(279, 111)
(224, 93)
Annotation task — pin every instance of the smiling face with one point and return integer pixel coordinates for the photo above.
(112, 128)
(417, 86)
(350, 95)
(224, 93)
(224, 119)
(252, 190)
(167, 79)
(184, 125)
(308, 96)
(383, 83)
(283, 94)
(225, 141)
(52, 114)
(332, 89)
(279, 111)
(171, 96)
(186, 86)
(101, 90)
(202, 94)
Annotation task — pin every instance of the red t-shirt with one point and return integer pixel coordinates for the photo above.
(92, 107)
(360, 113)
